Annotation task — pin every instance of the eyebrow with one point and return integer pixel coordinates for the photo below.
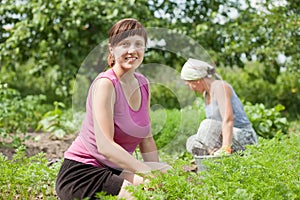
(142, 40)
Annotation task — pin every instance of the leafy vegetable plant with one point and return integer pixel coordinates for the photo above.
(59, 121)
(27, 178)
(267, 171)
(267, 122)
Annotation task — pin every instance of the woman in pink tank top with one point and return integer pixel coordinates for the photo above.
(116, 122)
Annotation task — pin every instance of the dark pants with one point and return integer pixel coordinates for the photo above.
(76, 180)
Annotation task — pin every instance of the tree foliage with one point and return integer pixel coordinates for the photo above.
(50, 39)
(242, 34)
(43, 43)
(237, 29)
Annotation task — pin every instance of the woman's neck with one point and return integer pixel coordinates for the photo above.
(207, 84)
(123, 75)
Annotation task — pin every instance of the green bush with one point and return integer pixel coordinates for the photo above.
(171, 128)
(60, 121)
(288, 92)
(164, 97)
(171, 94)
(251, 84)
(267, 122)
(18, 114)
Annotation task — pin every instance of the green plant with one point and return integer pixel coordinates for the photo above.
(58, 121)
(251, 85)
(269, 170)
(171, 128)
(64, 34)
(267, 122)
(27, 178)
(18, 114)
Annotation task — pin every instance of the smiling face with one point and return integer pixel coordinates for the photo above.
(129, 52)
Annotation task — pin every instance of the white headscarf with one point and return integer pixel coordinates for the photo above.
(194, 69)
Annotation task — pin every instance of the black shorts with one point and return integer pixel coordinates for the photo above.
(76, 180)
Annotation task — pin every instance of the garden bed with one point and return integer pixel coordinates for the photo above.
(54, 148)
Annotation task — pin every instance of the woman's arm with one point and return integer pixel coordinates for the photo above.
(148, 149)
(103, 106)
(147, 146)
(222, 93)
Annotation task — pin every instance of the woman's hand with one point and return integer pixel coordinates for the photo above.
(158, 166)
(223, 151)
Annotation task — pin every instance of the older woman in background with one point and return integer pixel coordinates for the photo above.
(226, 128)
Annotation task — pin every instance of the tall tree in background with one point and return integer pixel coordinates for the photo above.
(43, 43)
(235, 31)
(260, 36)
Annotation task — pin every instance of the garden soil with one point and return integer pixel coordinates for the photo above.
(53, 147)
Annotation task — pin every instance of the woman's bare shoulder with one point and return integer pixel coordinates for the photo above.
(103, 83)
(217, 84)
(220, 87)
(103, 87)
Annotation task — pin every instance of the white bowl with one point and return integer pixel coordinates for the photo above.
(199, 159)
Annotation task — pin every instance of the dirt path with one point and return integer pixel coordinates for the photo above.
(43, 142)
